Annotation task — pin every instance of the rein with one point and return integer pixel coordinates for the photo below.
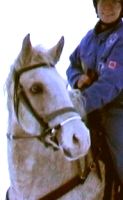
(79, 179)
(64, 189)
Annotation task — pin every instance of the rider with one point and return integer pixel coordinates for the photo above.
(96, 68)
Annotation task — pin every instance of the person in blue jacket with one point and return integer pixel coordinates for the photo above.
(96, 68)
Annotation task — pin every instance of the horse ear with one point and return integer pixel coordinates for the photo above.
(26, 49)
(55, 52)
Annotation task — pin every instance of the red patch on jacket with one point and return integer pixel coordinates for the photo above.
(112, 64)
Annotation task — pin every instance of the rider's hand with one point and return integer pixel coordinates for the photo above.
(83, 81)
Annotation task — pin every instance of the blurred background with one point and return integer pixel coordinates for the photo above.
(46, 21)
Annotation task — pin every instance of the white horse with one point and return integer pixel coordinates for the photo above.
(42, 114)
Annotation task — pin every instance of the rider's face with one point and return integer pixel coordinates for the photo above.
(109, 10)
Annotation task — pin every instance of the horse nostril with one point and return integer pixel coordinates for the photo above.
(75, 140)
(67, 152)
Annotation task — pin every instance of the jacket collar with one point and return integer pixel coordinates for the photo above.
(106, 28)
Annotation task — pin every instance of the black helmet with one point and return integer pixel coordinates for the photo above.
(96, 1)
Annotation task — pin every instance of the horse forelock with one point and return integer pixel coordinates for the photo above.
(38, 55)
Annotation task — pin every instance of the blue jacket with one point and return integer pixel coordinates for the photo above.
(103, 53)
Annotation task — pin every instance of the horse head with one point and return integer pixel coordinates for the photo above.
(39, 102)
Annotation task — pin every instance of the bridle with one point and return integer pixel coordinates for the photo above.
(46, 130)
(19, 93)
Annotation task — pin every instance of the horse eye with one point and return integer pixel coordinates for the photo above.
(36, 88)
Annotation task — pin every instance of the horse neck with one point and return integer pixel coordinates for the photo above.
(33, 166)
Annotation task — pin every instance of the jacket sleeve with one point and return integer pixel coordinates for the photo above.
(110, 82)
(75, 70)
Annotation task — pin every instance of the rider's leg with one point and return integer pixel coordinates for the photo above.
(114, 136)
